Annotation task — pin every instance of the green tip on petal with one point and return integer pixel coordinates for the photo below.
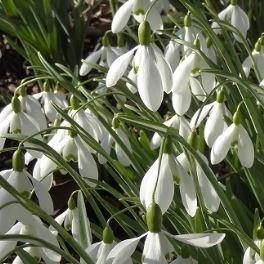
(108, 235)
(16, 105)
(115, 123)
(72, 202)
(234, 2)
(144, 33)
(74, 101)
(18, 160)
(154, 218)
(237, 118)
(220, 95)
(187, 20)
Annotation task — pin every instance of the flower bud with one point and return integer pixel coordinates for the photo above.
(72, 202)
(23, 91)
(220, 95)
(18, 160)
(154, 218)
(260, 233)
(74, 101)
(108, 235)
(16, 105)
(237, 117)
(121, 41)
(234, 2)
(105, 41)
(144, 33)
(192, 139)
(115, 123)
(187, 20)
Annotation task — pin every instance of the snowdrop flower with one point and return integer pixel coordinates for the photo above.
(99, 251)
(138, 9)
(23, 182)
(12, 118)
(237, 17)
(47, 97)
(33, 226)
(258, 57)
(70, 218)
(154, 75)
(108, 141)
(234, 134)
(187, 186)
(32, 107)
(157, 245)
(215, 124)
(178, 122)
(106, 55)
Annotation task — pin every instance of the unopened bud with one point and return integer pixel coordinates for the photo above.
(154, 218)
(144, 33)
(108, 235)
(18, 160)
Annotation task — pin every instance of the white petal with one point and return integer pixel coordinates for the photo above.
(154, 19)
(247, 65)
(214, 125)
(133, 77)
(122, 16)
(181, 101)
(245, 148)
(164, 69)
(123, 250)
(181, 75)
(222, 144)
(152, 252)
(187, 190)
(202, 240)
(42, 193)
(92, 58)
(149, 81)
(118, 68)
(200, 115)
(121, 155)
(211, 198)
(92, 250)
(240, 20)
(249, 256)
(172, 54)
(165, 186)
(7, 246)
(86, 163)
(197, 89)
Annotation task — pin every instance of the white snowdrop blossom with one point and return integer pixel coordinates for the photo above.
(16, 121)
(99, 251)
(138, 9)
(106, 55)
(251, 256)
(235, 15)
(33, 226)
(178, 122)
(157, 244)
(215, 124)
(258, 57)
(23, 182)
(154, 75)
(187, 186)
(236, 135)
(47, 97)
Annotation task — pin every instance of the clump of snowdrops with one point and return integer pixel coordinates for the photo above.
(161, 128)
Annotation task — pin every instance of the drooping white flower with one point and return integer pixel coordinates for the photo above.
(258, 57)
(138, 9)
(33, 226)
(235, 15)
(14, 120)
(157, 245)
(178, 122)
(23, 182)
(160, 175)
(215, 124)
(187, 186)
(234, 134)
(154, 75)
(47, 97)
